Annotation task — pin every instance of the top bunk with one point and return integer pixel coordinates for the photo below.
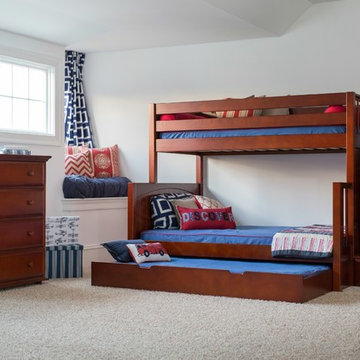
(257, 125)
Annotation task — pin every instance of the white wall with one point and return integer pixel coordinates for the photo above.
(318, 54)
(18, 46)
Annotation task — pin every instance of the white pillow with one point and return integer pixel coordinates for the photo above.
(148, 252)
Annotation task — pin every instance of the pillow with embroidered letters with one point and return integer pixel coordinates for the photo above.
(79, 164)
(162, 212)
(205, 202)
(206, 218)
(148, 252)
(118, 249)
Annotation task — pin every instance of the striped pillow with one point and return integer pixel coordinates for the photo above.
(237, 113)
(79, 164)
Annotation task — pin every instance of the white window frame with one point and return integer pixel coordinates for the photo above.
(25, 137)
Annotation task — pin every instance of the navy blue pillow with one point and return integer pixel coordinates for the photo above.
(162, 212)
(118, 249)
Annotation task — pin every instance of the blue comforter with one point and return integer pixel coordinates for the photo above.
(76, 186)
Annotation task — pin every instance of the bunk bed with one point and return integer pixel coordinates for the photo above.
(307, 128)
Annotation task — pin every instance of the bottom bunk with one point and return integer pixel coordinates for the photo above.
(233, 278)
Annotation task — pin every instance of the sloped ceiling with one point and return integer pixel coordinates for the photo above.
(103, 25)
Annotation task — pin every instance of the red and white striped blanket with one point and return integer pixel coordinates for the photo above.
(315, 241)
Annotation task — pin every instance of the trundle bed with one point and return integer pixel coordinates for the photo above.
(246, 269)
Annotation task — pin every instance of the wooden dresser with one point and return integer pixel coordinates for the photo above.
(22, 219)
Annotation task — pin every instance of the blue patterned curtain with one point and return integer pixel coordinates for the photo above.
(77, 123)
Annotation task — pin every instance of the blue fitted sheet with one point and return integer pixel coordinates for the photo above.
(246, 235)
(239, 267)
(253, 132)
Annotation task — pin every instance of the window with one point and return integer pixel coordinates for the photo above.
(27, 93)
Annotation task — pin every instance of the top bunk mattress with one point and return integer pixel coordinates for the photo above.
(302, 130)
(245, 235)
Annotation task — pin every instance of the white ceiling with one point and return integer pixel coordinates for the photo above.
(102, 25)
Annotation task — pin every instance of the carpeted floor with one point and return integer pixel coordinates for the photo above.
(69, 319)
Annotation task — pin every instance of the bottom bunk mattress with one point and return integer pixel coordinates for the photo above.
(82, 187)
(245, 279)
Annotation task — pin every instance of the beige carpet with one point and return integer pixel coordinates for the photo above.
(69, 319)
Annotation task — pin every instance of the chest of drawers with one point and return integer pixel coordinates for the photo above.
(22, 219)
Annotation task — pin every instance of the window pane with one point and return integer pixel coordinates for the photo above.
(20, 81)
(37, 116)
(5, 112)
(5, 79)
(20, 114)
(37, 84)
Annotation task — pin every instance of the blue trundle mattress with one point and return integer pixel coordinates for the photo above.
(302, 130)
(239, 267)
(246, 235)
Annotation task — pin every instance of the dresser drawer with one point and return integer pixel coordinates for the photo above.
(21, 265)
(19, 202)
(21, 173)
(20, 234)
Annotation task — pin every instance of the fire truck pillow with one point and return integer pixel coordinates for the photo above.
(118, 249)
(148, 252)
(206, 218)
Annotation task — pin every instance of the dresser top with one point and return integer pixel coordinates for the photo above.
(24, 158)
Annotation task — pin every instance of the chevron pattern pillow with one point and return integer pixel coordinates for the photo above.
(162, 211)
(79, 164)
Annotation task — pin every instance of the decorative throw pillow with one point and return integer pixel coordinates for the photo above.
(189, 203)
(148, 252)
(106, 161)
(118, 249)
(238, 113)
(335, 109)
(71, 150)
(183, 116)
(79, 164)
(162, 212)
(205, 202)
(206, 218)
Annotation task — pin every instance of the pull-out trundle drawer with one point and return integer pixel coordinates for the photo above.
(243, 279)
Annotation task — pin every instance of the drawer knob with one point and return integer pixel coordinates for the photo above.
(30, 233)
(30, 264)
(30, 202)
(31, 173)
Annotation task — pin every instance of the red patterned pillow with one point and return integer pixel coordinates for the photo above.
(148, 252)
(79, 164)
(105, 161)
(238, 113)
(206, 218)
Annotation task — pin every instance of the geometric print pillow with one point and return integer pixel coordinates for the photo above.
(205, 202)
(162, 212)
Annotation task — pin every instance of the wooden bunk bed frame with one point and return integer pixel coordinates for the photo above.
(306, 110)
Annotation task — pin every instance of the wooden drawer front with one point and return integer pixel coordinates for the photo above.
(19, 173)
(21, 265)
(19, 202)
(20, 234)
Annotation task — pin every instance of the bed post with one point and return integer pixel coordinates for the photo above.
(152, 144)
(199, 172)
(351, 177)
